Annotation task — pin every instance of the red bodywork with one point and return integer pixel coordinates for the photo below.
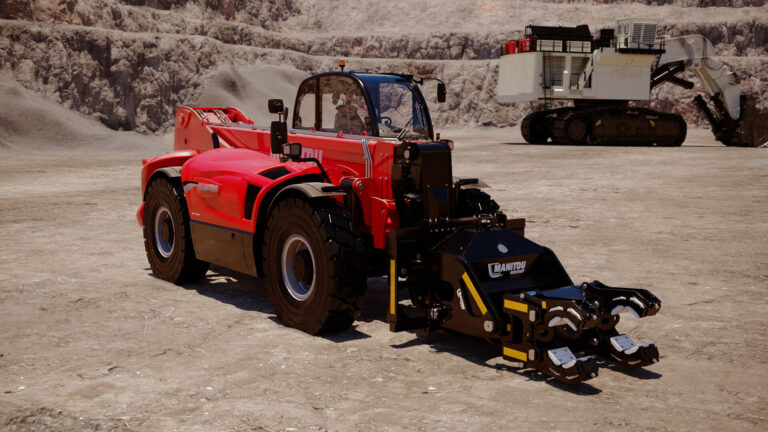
(216, 180)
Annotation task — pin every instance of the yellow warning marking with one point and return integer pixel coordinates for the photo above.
(653, 123)
(509, 352)
(543, 304)
(392, 288)
(598, 123)
(473, 291)
(520, 307)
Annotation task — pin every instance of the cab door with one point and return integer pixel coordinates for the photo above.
(332, 122)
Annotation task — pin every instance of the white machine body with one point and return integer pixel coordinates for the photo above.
(541, 75)
(602, 74)
(570, 69)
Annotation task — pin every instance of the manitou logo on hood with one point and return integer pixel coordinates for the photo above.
(496, 270)
(312, 153)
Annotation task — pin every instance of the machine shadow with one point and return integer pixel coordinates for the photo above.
(249, 293)
(481, 353)
(376, 301)
(642, 373)
(469, 348)
(233, 288)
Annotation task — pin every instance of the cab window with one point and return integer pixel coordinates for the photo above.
(343, 107)
(304, 116)
(398, 106)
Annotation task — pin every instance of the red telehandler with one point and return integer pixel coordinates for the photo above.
(359, 187)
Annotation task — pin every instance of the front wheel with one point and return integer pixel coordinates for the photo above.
(314, 264)
(167, 237)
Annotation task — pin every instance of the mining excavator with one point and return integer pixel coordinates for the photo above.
(361, 186)
(602, 75)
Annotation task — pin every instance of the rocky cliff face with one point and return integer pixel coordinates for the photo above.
(131, 63)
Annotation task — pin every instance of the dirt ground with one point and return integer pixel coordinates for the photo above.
(89, 340)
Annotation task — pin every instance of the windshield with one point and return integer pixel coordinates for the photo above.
(399, 109)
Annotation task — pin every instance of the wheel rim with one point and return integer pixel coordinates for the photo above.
(298, 266)
(165, 232)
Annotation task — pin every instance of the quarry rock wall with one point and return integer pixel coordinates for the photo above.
(131, 63)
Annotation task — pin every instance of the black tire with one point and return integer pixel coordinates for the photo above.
(473, 202)
(534, 128)
(167, 237)
(314, 264)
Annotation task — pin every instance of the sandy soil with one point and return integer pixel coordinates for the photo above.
(91, 341)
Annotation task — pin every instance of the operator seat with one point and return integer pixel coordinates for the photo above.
(347, 120)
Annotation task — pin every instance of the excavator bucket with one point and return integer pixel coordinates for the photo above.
(753, 127)
(750, 130)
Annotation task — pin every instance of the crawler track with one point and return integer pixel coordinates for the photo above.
(604, 125)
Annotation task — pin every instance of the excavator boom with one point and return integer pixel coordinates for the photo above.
(734, 118)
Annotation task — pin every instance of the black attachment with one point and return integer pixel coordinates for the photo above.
(215, 139)
(548, 328)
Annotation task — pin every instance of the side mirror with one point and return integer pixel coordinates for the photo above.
(275, 106)
(441, 92)
(292, 150)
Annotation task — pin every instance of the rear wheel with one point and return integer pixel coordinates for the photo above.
(167, 237)
(314, 264)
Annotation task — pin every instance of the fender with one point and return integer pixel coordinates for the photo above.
(173, 159)
(167, 165)
(169, 172)
(229, 191)
(295, 185)
(310, 190)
